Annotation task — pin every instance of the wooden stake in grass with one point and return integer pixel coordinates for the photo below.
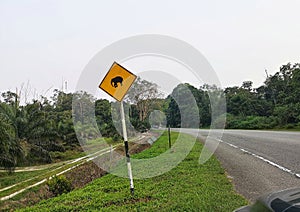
(169, 135)
(110, 156)
(126, 149)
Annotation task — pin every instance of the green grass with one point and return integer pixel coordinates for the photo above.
(188, 187)
(67, 155)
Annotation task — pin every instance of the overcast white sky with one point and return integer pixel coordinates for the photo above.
(46, 41)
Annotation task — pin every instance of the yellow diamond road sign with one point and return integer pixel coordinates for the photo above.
(117, 81)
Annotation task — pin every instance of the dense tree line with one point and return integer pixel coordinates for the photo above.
(276, 104)
(31, 133)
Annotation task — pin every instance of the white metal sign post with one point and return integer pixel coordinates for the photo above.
(126, 148)
(116, 83)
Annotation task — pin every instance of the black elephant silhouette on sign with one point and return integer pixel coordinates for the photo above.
(114, 82)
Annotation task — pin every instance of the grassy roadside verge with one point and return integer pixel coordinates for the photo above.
(188, 187)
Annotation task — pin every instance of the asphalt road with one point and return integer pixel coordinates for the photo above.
(258, 162)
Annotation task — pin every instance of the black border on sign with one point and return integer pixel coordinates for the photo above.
(107, 74)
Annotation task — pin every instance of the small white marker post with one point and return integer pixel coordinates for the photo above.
(126, 148)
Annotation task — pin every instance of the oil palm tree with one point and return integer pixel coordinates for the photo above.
(10, 148)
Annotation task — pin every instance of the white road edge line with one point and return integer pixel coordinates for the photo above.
(282, 168)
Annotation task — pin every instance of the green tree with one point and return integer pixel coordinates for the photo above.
(103, 114)
(10, 150)
(143, 95)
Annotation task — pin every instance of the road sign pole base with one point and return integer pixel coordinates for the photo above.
(132, 191)
(127, 149)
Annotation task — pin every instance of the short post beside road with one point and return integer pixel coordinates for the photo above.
(126, 148)
(110, 156)
(169, 135)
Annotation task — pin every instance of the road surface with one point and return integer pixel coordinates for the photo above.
(258, 162)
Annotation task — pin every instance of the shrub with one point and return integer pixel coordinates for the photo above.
(116, 137)
(59, 185)
(290, 126)
(38, 155)
(251, 122)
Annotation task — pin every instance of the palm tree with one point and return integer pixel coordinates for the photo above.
(10, 148)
